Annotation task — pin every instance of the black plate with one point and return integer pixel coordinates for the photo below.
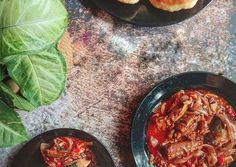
(144, 14)
(195, 80)
(30, 155)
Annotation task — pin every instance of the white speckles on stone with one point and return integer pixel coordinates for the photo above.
(103, 26)
(118, 63)
(181, 33)
(122, 46)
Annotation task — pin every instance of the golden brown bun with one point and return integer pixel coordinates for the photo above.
(173, 5)
(129, 1)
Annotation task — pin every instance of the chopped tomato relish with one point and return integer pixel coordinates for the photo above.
(67, 151)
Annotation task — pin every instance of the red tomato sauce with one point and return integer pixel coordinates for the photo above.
(171, 105)
(67, 151)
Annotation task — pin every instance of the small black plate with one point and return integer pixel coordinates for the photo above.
(144, 14)
(30, 155)
(190, 80)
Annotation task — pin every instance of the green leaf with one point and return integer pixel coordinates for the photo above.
(63, 2)
(3, 72)
(29, 26)
(41, 77)
(12, 131)
(14, 100)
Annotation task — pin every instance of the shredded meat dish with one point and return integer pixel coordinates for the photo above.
(193, 128)
(68, 152)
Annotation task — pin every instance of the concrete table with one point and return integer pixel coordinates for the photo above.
(116, 64)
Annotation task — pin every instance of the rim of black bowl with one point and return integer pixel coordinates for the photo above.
(150, 24)
(70, 132)
(138, 148)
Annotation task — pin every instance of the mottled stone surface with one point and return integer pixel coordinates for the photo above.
(116, 64)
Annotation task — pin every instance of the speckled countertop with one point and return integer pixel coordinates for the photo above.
(116, 64)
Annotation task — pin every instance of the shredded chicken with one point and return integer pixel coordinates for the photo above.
(192, 128)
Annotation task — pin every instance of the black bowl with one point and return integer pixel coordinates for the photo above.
(30, 155)
(144, 14)
(190, 80)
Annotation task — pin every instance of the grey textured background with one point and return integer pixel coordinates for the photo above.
(116, 64)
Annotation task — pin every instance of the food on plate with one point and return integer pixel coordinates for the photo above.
(129, 1)
(173, 5)
(68, 152)
(192, 128)
(168, 5)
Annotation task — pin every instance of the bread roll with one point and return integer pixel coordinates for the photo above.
(173, 5)
(129, 1)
